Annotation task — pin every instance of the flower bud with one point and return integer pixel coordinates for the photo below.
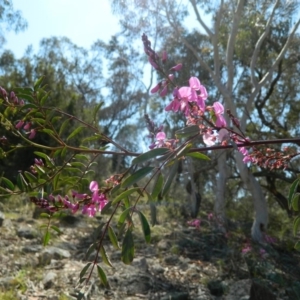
(32, 134)
(171, 77)
(164, 57)
(153, 63)
(164, 91)
(176, 68)
(156, 88)
(20, 124)
(27, 126)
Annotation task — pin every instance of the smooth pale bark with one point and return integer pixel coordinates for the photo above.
(219, 207)
(252, 185)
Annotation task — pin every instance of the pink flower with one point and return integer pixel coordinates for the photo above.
(209, 138)
(246, 249)
(97, 198)
(210, 216)
(89, 209)
(72, 206)
(219, 111)
(223, 135)
(269, 239)
(194, 223)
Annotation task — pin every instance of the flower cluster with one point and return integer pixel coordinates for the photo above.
(27, 127)
(91, 204)
(10, 98)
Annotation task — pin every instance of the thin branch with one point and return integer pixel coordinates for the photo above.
(231, 44)
(259, 43)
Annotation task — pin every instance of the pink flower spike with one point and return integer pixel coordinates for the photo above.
(176, 68)
(153, 64)
(195, 83)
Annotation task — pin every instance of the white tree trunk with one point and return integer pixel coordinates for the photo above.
(259, 201)
(219, 207)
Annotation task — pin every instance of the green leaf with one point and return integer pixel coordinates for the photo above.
(295, 202)
(46, 238)
(113, 238)
(149, 155)
(124, 215)
(297, 246)
(106, 208)
(296, 225)
(124, 195)
(83, 271)
(96, 109)
(63, 126)
(43, 155)
(115, 189)
(48, 131)
(187, 131)
(157, 186)
(127, 253)
(198, 155)
(63, 152)
(30, 177)
(184, 150)
(44, 215)
(82, 157)
(55, 228)
(103, 277)
(292, 191)
(44, 98)
(137, 176)
(7, 183)
(90, 251)
(38, 83)
(21, 183)
(40, 121)
(105, 257)
(145, 227)
(153, 214)
(171, 175)
(75, 132)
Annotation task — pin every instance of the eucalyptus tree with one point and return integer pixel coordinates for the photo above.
(10, 19)
(248, 50)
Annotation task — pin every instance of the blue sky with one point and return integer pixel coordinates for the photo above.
(82, 21)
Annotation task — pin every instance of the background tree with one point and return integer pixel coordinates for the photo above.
(245, 49)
